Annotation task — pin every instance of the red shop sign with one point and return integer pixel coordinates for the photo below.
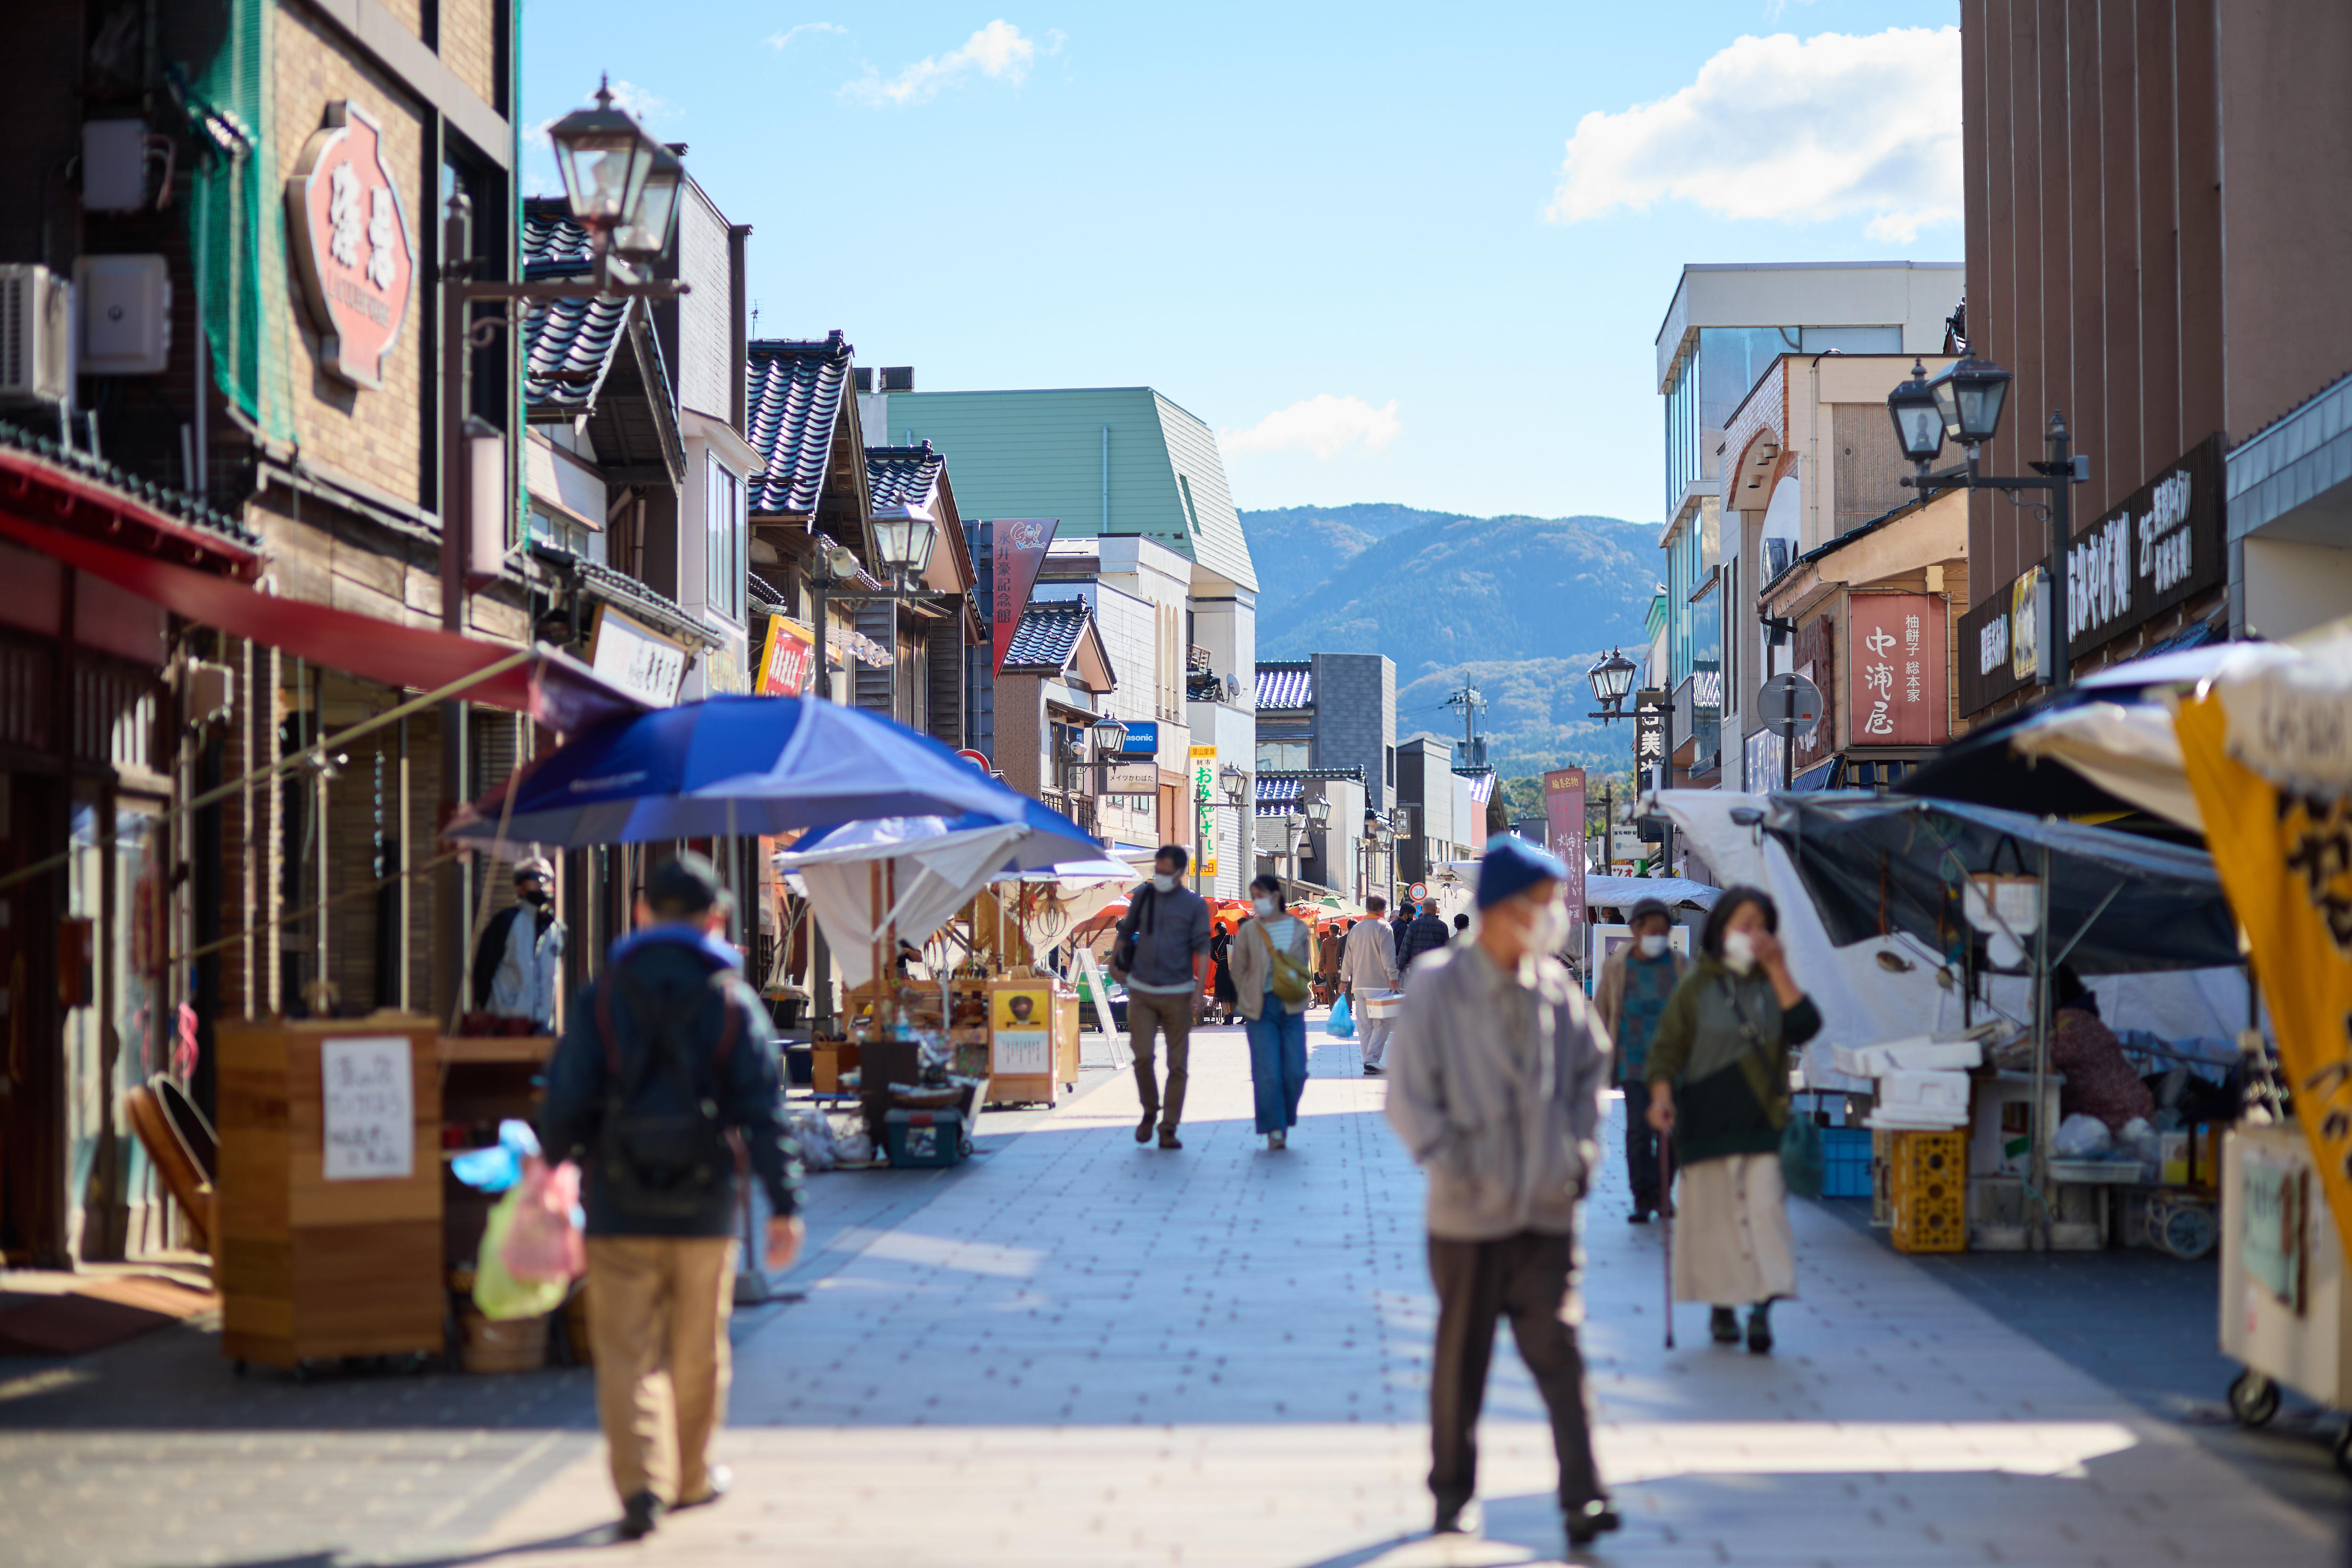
(1895, 661)
(352, 244)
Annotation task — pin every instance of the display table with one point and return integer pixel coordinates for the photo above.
(331, 1189)
(2284, 1310)
(1033, 1040)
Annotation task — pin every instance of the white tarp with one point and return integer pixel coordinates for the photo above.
(932, 874)
(2128, 749)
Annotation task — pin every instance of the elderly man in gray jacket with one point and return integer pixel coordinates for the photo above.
(1495, 1082)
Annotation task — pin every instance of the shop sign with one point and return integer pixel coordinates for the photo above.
(1763, 750)
(636, 658)
(1894, 649)
(1131, 779)
(352, 246)
(368, 1093)
(1650, 740)
(1203, 761)
(1142, 739)
(1564, 808)
(1016, 553)
(786, 658)
(1020, 1035)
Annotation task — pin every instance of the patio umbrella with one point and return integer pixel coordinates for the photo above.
(733, 764)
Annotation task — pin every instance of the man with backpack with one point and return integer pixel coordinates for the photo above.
(1160, 954)
(664, 1085)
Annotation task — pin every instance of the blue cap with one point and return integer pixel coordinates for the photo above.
(1512, 865)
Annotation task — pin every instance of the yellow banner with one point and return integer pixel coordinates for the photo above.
(2286, 861)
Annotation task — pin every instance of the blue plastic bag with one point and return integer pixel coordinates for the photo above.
(1341, 1025)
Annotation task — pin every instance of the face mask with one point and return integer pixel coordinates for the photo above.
(1654, 946)
(538, 896)
(1551, 930)
(1738, 952)
(1162, 883)
(1266, 908)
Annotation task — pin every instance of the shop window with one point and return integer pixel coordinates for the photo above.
(724, 551)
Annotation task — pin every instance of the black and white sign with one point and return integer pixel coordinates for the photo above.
(370, 1101)
(1774, 710)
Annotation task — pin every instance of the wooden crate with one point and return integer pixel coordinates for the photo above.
(311, 1269)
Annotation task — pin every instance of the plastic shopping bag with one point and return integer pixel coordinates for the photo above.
(544, 1242)
(1341, 1025)
(498, 1293)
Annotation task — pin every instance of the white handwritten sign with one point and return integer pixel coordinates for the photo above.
(370, 1105)
(1021, 1051)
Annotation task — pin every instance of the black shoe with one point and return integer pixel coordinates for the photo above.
(1724, 1324)
(1590, 1521)
(1167, 1139)
(1462, 1519)
(716, 1485)
(638, 1516)
(1639, 1217)
(1760, 1328)
(1375, 1072)
(1143, 1133)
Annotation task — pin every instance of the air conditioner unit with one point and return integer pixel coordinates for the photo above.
(36, 335)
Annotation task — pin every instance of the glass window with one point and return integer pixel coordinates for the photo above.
(1281, 755)
(1852, 339)
(723, 552)
(1730, 359)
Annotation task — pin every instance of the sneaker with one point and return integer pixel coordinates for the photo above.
(1639, 1217)
(1371, 1072)
(1723, 1324)
(1167, 1139)
(1143, 1133)
(1760, 1329)
(638, 1516)
(1277, 1140)
(1590, 1521)
(1463, 1519)
(716, 1484)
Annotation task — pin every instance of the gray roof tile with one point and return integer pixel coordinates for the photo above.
(1048, 634)
(1285, 685)
(904, 476)
(796, 391)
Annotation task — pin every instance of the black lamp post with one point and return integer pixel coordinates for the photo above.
(1612, 678)
(1965, 402)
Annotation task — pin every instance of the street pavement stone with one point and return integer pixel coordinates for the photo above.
(1075, 1350)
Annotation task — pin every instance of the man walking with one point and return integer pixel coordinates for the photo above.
(1370, 965)
(1495, 1091)
(1427, 933)
(1161, 953)
(1629, 995)
(520, 954)
(666, 1069)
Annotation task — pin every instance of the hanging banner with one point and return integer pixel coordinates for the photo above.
(2269, 753)
(1564, 814)
(1016, 554)
(1894, 644)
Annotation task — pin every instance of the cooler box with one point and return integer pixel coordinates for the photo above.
(1372, 1006)
(924, 1138)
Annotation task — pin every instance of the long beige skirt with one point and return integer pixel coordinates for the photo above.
(1732, 1241)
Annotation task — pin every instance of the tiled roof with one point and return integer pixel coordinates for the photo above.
(655, 609)
(552, 245)
(1048, 634)
(797, 390)
(1274, 787)
(903, 475)
(568, 347)
(175, 504)
(1285, 685)
(1482, 782)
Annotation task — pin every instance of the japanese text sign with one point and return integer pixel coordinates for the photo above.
(1016, 553)
(1895, 666)
(348, 231)
(1564, 808)
(787, 659)
(370, 1101)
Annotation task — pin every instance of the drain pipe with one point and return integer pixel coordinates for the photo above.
(1106, 479)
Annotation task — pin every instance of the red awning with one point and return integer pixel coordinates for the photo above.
(50, 495)
(554, 688)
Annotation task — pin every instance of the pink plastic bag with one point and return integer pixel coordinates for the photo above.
(543, 1244)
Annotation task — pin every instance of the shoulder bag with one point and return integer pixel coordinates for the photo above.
(1803, 1166)
(1122, 952)
(1286, 975)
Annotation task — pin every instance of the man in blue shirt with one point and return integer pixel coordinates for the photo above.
(1629, 995)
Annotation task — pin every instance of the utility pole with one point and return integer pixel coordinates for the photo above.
(1471, 703)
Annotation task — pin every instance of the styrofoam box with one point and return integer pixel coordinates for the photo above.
(1925, 1093)
(1919, 1053)
(1379, 1004)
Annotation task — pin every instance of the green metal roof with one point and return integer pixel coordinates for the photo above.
(1043, 454)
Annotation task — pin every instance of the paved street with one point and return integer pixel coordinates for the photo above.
(1076, 1351)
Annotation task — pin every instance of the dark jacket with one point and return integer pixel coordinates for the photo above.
(674, 965)
(1169, 929)
(1740, 1106)
(1427, 933)
(491, 950)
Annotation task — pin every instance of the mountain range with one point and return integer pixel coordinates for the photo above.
(1520, 606)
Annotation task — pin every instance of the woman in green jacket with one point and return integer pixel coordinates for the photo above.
(1718, 1075)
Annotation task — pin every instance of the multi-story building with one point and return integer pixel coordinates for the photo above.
(1332, 710)
(1440, 820)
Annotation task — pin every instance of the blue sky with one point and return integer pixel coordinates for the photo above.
(1353, 238)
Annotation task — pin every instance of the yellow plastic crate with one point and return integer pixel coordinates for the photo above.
(1927, 1191)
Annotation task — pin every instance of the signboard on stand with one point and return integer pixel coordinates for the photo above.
(368, 1103)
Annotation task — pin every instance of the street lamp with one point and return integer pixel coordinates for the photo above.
(1968, 395)
(1612, 678)
(1233, 779)
(903, 539)
(1319, 813)
(1110, 737)
(1918, 422)
(645, 236)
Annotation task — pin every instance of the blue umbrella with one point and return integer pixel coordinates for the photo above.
(735, 765)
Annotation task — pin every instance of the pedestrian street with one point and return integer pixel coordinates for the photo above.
(1082, 1351)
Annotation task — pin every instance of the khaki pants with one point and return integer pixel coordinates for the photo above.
(1146, 1015)
(657, 1309)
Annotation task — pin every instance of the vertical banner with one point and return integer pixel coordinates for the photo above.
(1564, 811)
(787, 659)
(1016, 554)
(2270, 757)
(1896, 650)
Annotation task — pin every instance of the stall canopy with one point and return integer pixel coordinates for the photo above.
(1624, 892)
(733, 764)
(1880, 863)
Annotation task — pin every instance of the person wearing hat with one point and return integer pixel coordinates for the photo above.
(1630, 996)
(521, 952)
(668, 1067)
(1494, 1080)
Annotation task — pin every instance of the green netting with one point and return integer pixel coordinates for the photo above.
(236, 225)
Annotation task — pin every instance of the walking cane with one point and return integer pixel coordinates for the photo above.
(1666, 1218)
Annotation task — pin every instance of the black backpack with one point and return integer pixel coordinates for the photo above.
(665, 1164)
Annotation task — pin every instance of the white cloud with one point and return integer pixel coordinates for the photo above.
(784, 40)
(648, 107)
(997, 50)
(1837, 126)
(1323, 424)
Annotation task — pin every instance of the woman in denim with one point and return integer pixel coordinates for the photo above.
(1273, 964)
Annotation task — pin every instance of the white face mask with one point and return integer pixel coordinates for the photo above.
(1551, 930)
(1265, 908)
(1162, 883)
(1738, 952)
(1654, 946)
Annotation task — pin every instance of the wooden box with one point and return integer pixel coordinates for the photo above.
(1033, 1040)
(829, 1059)
(313, 1267)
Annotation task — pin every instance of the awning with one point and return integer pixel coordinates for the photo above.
(554, 688)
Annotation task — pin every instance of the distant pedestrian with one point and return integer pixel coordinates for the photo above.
(1407, 912)
(1427, 933)
(519, 962)
(1718, 1073)
(1327, 954)
(1461, 926)
(1495, 1091)
(1271, 979)
(1167, 927)
(1369, 964)
(2100, 1079)
(1630, 996)
(1220, 957)
(668, 1067)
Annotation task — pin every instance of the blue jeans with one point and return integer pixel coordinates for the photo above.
(1278, 1042)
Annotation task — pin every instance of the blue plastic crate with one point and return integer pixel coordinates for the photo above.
(1845, 1162)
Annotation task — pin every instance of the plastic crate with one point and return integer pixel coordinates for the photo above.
(1845, 1162)
(924, 1138)
(1928, 1182)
